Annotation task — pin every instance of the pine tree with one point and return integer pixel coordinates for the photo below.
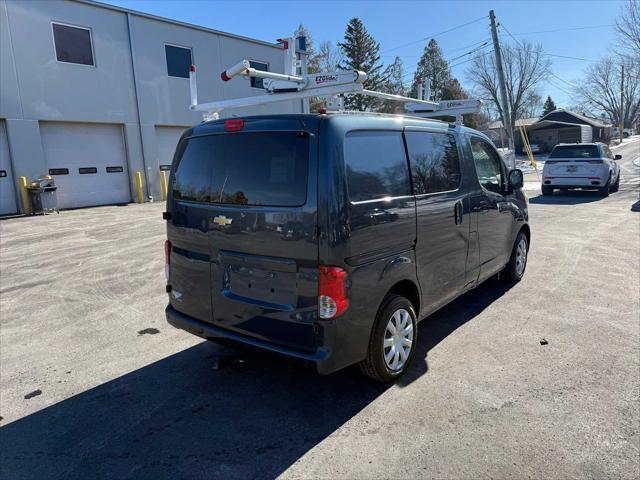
(361, 52)
(453, 90)
(549, 106)
(394, 84)
(434, 67)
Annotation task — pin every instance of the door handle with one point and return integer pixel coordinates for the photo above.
(458, 212)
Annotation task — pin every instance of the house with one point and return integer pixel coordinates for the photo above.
(91, 94)
(565, 126)
(558, 126)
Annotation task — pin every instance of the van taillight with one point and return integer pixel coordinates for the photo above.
(233, 125)
(333, 299)
(167, 260)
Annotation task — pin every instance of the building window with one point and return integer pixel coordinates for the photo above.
(73, 44)
(178, 61)
(264, 67)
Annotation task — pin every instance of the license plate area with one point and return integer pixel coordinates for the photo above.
(268, 282)
(572, 168)
(270, 289)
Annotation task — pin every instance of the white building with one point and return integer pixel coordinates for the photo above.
(91, 93)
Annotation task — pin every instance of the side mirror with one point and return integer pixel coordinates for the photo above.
(617, 157)
(516, 179)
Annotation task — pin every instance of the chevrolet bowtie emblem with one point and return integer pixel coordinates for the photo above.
(222, 220)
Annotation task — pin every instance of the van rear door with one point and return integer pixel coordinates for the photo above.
(260, 203)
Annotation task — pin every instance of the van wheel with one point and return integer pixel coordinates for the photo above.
(547, 190)
(514, 271)
(393, 340)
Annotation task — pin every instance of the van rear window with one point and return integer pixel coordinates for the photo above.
(262, 168)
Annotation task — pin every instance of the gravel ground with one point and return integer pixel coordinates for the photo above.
(541, 380)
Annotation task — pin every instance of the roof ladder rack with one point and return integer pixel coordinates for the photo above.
(299, 85)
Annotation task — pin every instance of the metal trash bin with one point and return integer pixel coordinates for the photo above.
(43, 197)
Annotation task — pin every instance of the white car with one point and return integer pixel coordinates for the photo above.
(581, 165)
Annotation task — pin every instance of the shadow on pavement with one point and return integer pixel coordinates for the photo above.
(178, 418)
(570, 197)
(441, 324)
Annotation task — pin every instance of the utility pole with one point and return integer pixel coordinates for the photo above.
(621, 120)
(506, 111)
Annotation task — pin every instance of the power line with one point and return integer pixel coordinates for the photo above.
(436, 35)
(448, 52)
(566, 56)
(559, 87)
(562, 80)
(565, 29)
(470, 52)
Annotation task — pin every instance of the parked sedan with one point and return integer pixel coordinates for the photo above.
(581, 165)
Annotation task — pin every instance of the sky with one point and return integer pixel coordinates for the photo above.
(581, 29)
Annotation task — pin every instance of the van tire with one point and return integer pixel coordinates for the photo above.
(374, 365)
(547, 190)
(512, 273)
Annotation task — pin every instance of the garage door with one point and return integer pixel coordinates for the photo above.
(7, 183)
(88, 163)
(166, 141)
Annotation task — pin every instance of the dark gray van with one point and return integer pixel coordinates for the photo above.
(328, 237)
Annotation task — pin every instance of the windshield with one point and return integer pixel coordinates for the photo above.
(575, 151)
(266, 168)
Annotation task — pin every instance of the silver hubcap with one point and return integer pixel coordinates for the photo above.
(521, 256)
(398, 339)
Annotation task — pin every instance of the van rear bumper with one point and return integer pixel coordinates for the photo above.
(324, 361)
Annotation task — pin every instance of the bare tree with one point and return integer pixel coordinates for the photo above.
(525, 67)
(600, 90)
(328, 56)
(628, 27)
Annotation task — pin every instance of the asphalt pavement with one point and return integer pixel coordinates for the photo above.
(540, 380)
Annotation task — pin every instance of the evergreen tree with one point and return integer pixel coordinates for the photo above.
(394, 84)
(361, 52)
(453, 90)
(549, 106)
(434, 67)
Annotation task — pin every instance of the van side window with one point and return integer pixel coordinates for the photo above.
(487, 164)
(435, 166)
(376, 165)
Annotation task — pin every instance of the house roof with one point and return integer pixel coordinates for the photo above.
(525, 122)
(594, 122)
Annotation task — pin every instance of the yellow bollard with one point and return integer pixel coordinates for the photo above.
(26, 207)
(139, 187)
(163, 184)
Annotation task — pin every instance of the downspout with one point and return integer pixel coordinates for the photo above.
(135, 92)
